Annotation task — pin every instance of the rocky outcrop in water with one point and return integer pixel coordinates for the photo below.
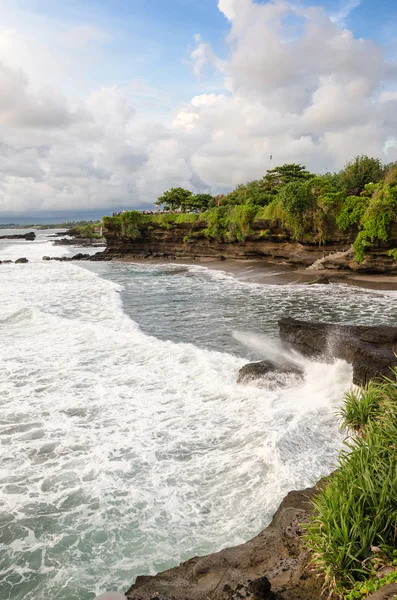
(272, 566)
(29, 237)
(369, 349)
(99, 256)
(262, 369)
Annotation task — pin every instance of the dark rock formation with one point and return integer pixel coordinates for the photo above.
(20, 236)
(99, 256)
(188, 240)
(272, 566)
(258, 370)
(323, 280)
(370, 350)
(21, 261)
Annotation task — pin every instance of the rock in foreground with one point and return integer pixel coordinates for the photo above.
(369, 349)
(268, 370)
(274, 559)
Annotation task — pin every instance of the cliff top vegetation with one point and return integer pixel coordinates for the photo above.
(362, 196)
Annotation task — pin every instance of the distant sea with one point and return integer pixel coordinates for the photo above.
(126, 445)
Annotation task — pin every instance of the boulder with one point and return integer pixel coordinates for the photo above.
(262, 369)
(21, 261)
(46, 258)
(369, 349)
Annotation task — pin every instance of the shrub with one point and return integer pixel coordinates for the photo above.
(353, 529)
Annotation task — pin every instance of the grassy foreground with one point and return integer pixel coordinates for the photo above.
(353, 532)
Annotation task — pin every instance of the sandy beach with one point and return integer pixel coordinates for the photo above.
(256, 271)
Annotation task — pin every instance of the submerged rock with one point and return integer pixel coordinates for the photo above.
(369, 349)
(262, 369)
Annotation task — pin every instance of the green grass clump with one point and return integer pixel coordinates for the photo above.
(230, 223)
(354, 527)
(362, 407)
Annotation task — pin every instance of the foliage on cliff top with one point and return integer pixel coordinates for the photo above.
(308, 206)
(352, 533)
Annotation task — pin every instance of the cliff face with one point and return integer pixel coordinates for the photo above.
(266, 240)
(188, 240)
(272, 566)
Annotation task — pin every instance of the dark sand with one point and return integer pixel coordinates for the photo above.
(256, 271)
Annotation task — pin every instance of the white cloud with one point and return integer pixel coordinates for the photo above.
(340, 16)
(312, 97)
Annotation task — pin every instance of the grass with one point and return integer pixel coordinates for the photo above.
(354, 527)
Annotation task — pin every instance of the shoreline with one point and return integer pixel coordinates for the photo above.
(257, 271)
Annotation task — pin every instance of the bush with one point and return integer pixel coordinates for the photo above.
(230, 223)
(353, 530)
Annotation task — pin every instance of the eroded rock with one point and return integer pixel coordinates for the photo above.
(369, 349)
(269, 371)
(276, 558)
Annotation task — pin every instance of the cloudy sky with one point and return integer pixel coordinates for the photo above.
(104, 104)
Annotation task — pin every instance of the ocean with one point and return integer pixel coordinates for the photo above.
(126, 445)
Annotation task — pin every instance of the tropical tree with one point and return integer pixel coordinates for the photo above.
(358, 172)
(200, 202)
(279, 176)
(175, 199)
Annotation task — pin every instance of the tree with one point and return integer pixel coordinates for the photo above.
(175, 199)
(297, 197)
(201, 202)
(279, 176)
(358, 172)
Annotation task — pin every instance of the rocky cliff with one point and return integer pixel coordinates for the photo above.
(272, 566)
(188, 240)
(267, 241)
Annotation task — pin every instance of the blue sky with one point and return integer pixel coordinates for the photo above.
(150, 39)
(104, 104)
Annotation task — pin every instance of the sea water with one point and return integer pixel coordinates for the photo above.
(126, 445)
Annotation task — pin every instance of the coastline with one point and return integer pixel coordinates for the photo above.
(258, 271)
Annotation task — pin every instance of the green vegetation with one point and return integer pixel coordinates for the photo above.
(184, 200)
(90, 230)
(63, 225)
(131, 223)
(352, 534)
(361, 197)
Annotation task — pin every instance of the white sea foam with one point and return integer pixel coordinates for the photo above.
(123, 454)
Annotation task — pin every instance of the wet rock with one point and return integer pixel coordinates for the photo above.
(21, 261)
(46, 258)
(259, 370)
(369, 349)
(272, 566)
(324, 280)
(7, 262)
(29, 237)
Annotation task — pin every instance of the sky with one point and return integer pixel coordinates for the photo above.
(105, 104)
